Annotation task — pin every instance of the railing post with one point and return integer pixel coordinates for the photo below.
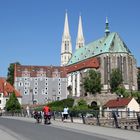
(138, 118)
(83, 118)
(97, 117)
(71, 117)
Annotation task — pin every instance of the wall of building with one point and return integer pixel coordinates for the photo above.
(41, 89)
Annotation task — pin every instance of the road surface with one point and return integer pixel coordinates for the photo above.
(22, 130)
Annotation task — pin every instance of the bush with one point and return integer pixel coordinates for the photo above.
(59, 105)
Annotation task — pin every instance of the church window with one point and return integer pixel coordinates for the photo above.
(105, 70)
(100, 50)
(105, 44)
(124, 70)
(97, 47)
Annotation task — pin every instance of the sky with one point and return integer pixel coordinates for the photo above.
(31, 30)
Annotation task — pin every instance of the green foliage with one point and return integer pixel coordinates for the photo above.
(10, 75)
(122, 91)
(92, 83)
(13, 104)
(115, 79)
(138, 79)
(82, 102)
(59, 105)
(136, 95)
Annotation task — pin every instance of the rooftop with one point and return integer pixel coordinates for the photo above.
(107, 44)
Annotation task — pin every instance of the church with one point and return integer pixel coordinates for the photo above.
(41, 84)
(103, 55)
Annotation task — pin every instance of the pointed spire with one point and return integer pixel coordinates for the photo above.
(66, 46)
(66, 26)
(80, 42)
(107, 31)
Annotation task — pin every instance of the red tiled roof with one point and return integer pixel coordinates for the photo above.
(89, 63)
(7, 88)
(50, 71)
(119, 102)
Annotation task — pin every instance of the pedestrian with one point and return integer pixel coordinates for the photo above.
(65, 113)
(28, 111)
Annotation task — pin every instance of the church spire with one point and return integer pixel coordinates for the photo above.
(80, 42)
(66, 47)
(107, 31)
(66, 26)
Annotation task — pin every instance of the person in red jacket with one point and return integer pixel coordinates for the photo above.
(47, 114)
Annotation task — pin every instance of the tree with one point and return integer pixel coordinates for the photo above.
(92, 83)
(13, 104)
(115, 79)
(10, 75)
(138, 79)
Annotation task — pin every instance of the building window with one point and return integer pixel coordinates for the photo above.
(36, 88)
(59, 93)
(58, 98)
(35, 92)
(20, 84)
(0, 101)
(36, 84)
(25, 92)
(0, 94)
(35, 79)
(35, 101)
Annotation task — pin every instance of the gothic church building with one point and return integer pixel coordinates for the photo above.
(103, 55)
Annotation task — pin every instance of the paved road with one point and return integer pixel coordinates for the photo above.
(28, 130)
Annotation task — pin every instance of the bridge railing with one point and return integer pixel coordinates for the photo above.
(118, 119)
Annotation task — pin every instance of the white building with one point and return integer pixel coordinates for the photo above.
(6, 90)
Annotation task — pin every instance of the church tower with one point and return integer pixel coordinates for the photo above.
(107, 31)
(80, 41)
(66, 46)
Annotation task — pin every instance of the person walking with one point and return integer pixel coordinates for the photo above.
(65, 113)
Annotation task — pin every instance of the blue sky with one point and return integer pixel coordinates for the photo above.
(31, 30)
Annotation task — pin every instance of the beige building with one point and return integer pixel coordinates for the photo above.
(124, 107)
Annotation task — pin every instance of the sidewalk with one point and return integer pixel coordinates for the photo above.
(90, 129)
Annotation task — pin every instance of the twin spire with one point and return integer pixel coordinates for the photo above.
(66, 27)
(80, 42)
(66, 46)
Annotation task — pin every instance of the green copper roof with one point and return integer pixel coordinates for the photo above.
(108, 44)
